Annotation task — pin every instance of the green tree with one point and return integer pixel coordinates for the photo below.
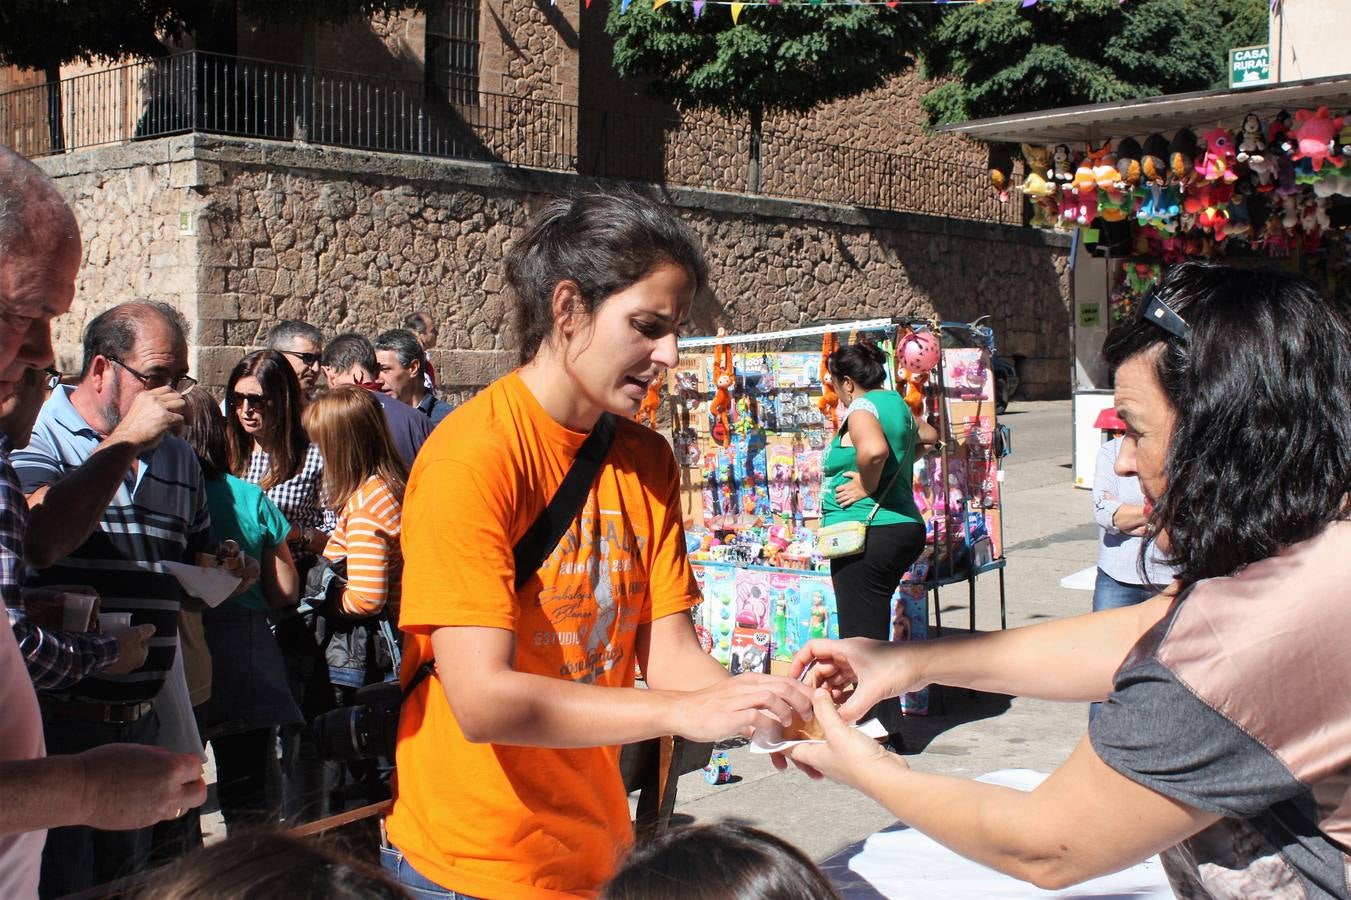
(46, 34)
(786, 59)
(1000, 59)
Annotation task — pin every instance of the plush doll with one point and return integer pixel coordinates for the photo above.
(1217, 162)
(647, 412)
(1062, 165)
(1338, 185)
(1209, 202)
(1278, 134)
(1342, 147)
(829, 399)
(1240, 223)
(1039, 190)
(1079, 199)
(1182, 153)
(1314, 136)
(1251, 144)
(1128, 164)
(724, 375)
(1001, 169)
(1103, 161)
(1154, 159)
(1290, 212)
(1264, 167)
(1037, 160)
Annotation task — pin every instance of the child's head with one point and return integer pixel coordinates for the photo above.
(600, 244)
(204, 430)
(264, 865)
(727, 861)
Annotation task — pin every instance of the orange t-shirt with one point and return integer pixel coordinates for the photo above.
(526, 822)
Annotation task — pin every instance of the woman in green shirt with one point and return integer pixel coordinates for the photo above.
(869, 467)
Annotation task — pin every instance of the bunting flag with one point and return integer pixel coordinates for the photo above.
(736, 13)
(699, 7)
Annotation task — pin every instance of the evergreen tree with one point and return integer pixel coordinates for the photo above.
(789, 58)
(998, 59)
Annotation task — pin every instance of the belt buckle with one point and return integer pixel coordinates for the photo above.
(122, 713)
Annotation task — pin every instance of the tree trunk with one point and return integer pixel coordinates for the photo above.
(55, 115)
(754, 180)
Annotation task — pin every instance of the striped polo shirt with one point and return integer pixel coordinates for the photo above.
(158, 514)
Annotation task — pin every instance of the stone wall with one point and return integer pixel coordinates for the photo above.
(355, 241)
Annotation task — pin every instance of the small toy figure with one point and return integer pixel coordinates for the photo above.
(1315, 138)
(724, 375)
(1001, 169)
(1128, 164)
(719, 769)
(1154, 160)
(647, 412)
(1182, 153)
(1062, 165)
(829, 399)
(1217, 162)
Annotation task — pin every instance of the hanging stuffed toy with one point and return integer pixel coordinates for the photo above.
(1182, 153)
(647, 412)
(1079, 199)
(1278, 134)
(919, 354)
(1001, 169)
(829, 399)
(1217, 162)
(1154, 160)
(1315, 135)
(1038, 185)
(724, 376)
(1251, 144)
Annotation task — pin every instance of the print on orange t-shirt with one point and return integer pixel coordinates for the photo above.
(527, 822)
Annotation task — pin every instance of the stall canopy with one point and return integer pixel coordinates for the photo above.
(1097, 122)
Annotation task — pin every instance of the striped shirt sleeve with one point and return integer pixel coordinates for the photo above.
(368, 537)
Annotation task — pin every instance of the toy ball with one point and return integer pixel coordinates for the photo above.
(919, 351)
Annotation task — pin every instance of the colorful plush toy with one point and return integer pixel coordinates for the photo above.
(1037, 160)
(647, 412)
(724, 376)
(1182, 153)
(919, 355)
(1001, 169)
(1062, 165)
(1251, 144)
(1209, 202)
(1217, 162)
(1040, 191)
(1128, 164)
(1154, 159)
(829, 399)
(1315, 134)
(1278, 134)
(1079, 199)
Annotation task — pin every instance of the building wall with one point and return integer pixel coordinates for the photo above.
(354, 241)
(1309, 39)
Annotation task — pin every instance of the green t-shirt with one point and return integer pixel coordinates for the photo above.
(898, 506)
(242, 512)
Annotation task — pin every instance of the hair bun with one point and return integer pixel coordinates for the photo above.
(872, 351)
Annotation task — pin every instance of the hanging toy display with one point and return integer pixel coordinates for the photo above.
(830, 342)
(919, 354)
(647, 412)
(724, 375)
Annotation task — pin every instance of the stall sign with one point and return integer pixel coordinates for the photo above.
(1250, 66)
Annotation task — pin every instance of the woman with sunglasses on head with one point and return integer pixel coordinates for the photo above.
(1224, 737)
(268, 447)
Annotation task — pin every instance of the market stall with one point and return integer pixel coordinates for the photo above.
(1257, 176)
(751, 416)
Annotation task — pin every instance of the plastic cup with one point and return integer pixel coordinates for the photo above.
(110, 622)
(77, 610)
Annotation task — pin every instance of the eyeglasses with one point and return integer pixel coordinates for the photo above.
(308, 359)
(257, 401)
(48, 378)
(180, 383)
(1162, 315)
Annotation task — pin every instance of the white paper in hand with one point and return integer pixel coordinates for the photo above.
(209, 584)
(872, 728)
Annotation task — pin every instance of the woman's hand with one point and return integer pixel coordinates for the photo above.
(850, 490)
(744, 705)
(874, 670)
(847, 755)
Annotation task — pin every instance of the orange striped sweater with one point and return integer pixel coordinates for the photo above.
(367, 536)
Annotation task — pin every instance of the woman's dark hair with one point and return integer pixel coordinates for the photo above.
(605, 242)
(283, 436)
(204, 430)
(1260, 457)
(863, 362)
(726, 861)
(268, 865)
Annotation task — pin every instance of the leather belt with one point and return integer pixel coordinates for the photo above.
(99, 712)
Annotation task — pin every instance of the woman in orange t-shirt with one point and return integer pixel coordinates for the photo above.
(507, 782)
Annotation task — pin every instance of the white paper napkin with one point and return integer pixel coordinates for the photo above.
(209, 584)
(872, 728)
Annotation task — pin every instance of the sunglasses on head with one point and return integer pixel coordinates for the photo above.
(1162, 315)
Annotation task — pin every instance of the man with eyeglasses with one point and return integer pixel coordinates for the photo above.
(302, 344)
(113, 494)
(113, 787)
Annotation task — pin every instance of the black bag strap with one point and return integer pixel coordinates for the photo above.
(566, 504)
(540, 540)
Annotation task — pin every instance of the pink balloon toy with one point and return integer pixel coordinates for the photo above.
(919, 351)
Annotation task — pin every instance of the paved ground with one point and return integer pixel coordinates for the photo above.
(1048, 534)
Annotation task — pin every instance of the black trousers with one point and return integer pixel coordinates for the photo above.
(864, 584)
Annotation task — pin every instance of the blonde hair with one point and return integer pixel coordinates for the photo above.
(350, 428)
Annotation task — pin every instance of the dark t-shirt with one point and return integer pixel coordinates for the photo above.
(1237, 703)
(407, 426)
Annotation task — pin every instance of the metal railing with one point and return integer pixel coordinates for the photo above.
(197, 92)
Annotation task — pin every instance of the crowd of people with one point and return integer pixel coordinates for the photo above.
(517, 567)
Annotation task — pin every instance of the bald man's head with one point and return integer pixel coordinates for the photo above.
(39, 259)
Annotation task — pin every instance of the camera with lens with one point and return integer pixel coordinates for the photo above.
(366, 730)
